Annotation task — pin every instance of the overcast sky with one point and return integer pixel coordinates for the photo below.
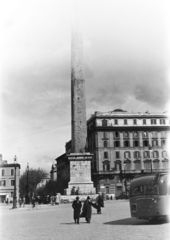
(126, 65)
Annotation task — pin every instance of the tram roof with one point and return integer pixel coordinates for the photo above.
(145, 180)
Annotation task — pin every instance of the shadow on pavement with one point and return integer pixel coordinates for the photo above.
(72, 223)
(134, 221)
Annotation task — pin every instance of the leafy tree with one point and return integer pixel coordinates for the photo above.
(34, 177)
(53, 187)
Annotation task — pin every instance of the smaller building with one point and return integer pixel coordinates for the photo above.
(7, 180)
(44, 181)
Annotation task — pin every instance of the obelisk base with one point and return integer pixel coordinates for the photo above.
(80, 174)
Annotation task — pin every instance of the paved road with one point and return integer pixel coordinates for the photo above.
(56, 223)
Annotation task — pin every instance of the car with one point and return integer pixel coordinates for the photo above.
(123, 195)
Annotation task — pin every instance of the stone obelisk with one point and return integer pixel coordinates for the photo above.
(80, 160)
(78, 102)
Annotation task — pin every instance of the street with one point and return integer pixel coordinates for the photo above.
(56, 222)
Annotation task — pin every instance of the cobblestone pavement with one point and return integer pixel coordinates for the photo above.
(56, 222)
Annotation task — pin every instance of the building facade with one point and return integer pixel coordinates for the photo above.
(7, 180)
(126, 145)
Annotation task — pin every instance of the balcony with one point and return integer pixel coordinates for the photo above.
(127, 172)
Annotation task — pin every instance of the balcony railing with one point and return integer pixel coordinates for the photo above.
(109, 172)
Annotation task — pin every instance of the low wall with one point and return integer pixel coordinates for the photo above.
(71, 198)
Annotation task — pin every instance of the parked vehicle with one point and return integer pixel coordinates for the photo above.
(150, 196)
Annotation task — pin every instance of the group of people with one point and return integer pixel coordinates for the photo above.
(87, 208)
(21, 201)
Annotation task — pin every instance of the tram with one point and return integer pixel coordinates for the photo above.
(149, 196)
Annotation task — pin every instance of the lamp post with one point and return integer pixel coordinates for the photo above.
(150, 150)
(15, 187)
(27, 185)
(125, 177)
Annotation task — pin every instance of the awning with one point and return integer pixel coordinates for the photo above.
(137, 161)
(147, 161)
(127, 161)
(156, 160)
(165, 160)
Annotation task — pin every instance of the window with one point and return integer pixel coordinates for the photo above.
(116, 134)
(153, 121)
(106, 166)
(118, 166)
(155, 143)
(145, 134)
(105, 144)
(3, 183)
(144, 121)
(155, 154)
(3, 172)
(146, 154)
(126, 134)
(125, 121)
(163, 142)
(126, 144)
(164, 154)
(12, 172)
(104, 123)
(12, 182)
(136, 154)
(135, 134)
(127, 155)
(165, 164)
(156, 164)
(145, 143)
(105, 155)
(162, 121)
(127, 165)
(116, 122)
(105, 135)
(154, 134)
(117, 154)
(137, 165)
(136, 143)
(117, 143)
(148, 165)
(134, 121)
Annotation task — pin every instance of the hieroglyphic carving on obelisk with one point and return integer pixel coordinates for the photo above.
(78, 101)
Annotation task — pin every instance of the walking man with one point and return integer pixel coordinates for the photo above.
(87, 210)
(100, 203)
(77, 209)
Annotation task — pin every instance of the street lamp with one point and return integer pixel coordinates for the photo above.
(150, 150)
(125, 177)
(27, 185)
(15, 187)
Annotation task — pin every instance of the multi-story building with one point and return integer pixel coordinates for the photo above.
(125, 145)
(7, 180)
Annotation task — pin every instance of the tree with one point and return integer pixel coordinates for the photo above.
(34, 177)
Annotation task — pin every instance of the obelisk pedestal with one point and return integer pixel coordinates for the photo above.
(80, 174)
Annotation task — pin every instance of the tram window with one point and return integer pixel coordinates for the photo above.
(163, 186)
(138, 190)
(151, 190)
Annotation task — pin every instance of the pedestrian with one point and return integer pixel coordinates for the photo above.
(23, 201)
(87, 210)
(20, 202)
(100, 203)
(57, 199)
(77, 209)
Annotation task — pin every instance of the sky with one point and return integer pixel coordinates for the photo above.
(126, 65)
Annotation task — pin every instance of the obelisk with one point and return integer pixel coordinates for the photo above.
(80, 160)
(78, 102)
